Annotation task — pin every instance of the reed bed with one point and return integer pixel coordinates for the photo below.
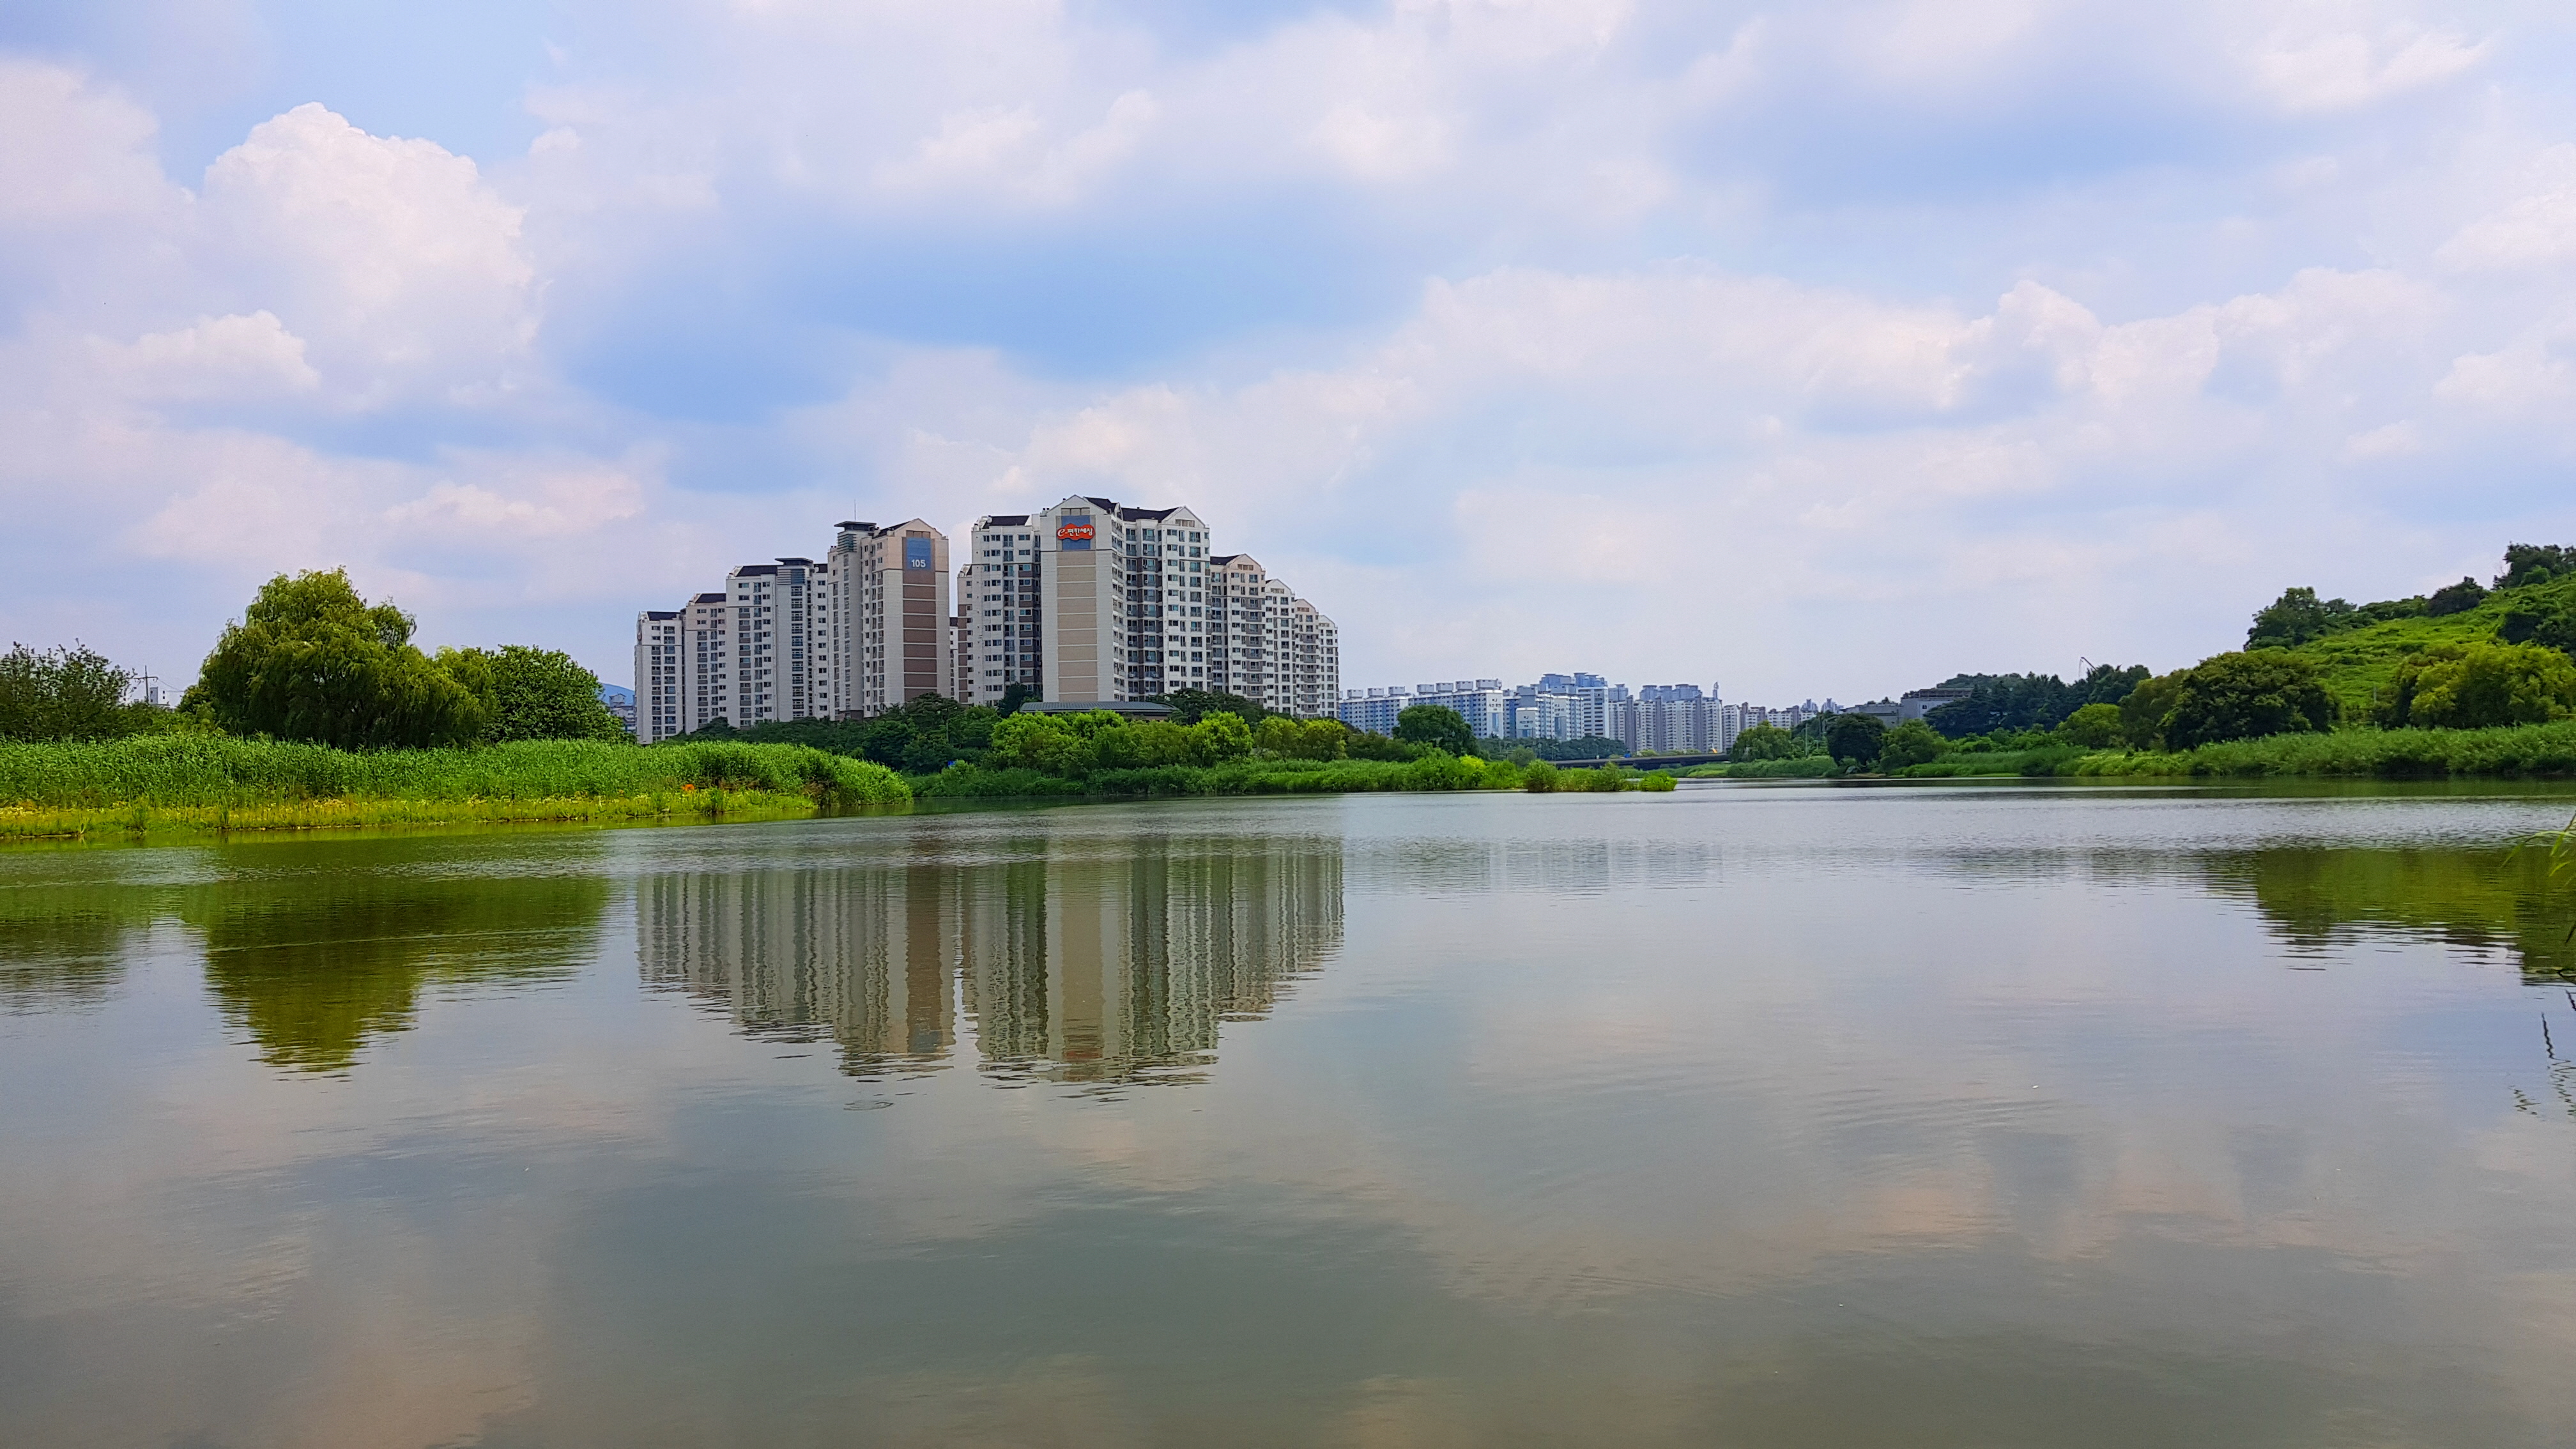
(214, 783)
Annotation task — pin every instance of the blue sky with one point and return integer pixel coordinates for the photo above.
(1815, 349)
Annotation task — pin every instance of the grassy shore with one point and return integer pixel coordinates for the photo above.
(2531, 751)
(192, 783)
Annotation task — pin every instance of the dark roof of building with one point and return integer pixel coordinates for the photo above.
(1007, 520)
(757, 569)
(708, 599)
(1155, 514)
(807, 562)
(661, 613)
(862, 527)
(1105, 505)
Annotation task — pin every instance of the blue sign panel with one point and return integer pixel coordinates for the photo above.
(916, 553)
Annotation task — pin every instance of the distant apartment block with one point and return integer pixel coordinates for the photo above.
(1667, 719)
(1093, 599)
(1479, 701)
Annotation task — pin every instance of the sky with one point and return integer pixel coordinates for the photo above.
(1816, 349)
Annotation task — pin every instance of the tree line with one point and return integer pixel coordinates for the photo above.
(312, 661)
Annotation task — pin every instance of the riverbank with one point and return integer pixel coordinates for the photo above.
(2541, 751)
(1433, 772)
(214, 784)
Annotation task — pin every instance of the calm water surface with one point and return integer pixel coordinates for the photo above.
(1742, 1116)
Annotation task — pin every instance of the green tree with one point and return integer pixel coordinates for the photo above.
(310, 660)
(1436, 725)
(2095, 726)
(1366, 745)
(1917, 743)
(1015, 694)
(2295, 618)
(2535, 563)
(2144, 712)
(1763, 742)
(1855, 739)
(1219, 737)
(532, 694)
(2475, 686)
(1295, 739)
(2247, 694)
(69, 694)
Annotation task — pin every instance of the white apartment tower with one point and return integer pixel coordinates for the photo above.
(854, 635)
(1095, 600)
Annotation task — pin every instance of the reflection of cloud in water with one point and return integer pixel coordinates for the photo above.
(1073, 966)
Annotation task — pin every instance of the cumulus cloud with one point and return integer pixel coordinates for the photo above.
(392, 255)
(2002, 330)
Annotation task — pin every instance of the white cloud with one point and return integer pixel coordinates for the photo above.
(215, 358)
(71, 151)
(2537, 229)
(2525, 378)
(2324, 57)
(393, 258)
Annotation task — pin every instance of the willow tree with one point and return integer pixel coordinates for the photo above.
(311, 660)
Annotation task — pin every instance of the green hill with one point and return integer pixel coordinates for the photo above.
(2360, 660)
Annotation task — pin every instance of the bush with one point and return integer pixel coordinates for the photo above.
(1307, 739)
(1539, 777)
(2457, 598)
(2094, 727)
(2248, 694)
(2480, 686)
(1917, 743)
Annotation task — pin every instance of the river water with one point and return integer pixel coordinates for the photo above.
(1983, 1115)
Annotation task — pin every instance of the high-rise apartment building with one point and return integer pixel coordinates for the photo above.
(1668, 719)
(1097, 600)
(862, 631)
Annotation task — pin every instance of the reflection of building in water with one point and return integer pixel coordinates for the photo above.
(1097, 970)
(859, 955)
(1100, 969)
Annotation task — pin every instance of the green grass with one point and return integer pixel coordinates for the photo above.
(2361, 664)
(210, 782)
(2045, 760)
